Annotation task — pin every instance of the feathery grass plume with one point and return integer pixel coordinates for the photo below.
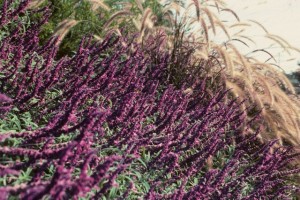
(98, 38)
(269, 80)
(241, 58)
(232, 12)
(116, 15)
(222, 26)
(99, 4)
(146, 23)
(63, 28)
(260, 25)
(205, 29)
(81, 11)
(35, 4)
(146, 19)
(283, 44)
(211, 18)
(111, 126)
(197, 6)
(240, 24)
(265, 88)
(225, 58)
(258, 81)
(265, 51)
(172, 6)
(95, 137)
(139, 5)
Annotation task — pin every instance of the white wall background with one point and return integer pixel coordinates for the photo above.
(280, 17)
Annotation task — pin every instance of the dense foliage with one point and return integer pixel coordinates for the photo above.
(86, 20)
(76, 18)
(105, 124)
(256, 81)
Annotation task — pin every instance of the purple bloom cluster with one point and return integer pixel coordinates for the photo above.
(113, 105)
(4, 107)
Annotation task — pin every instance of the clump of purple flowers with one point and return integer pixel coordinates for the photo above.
(110, 125)
(3, 101)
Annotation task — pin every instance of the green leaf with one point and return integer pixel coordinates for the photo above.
(142, 162)
(146, 186)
